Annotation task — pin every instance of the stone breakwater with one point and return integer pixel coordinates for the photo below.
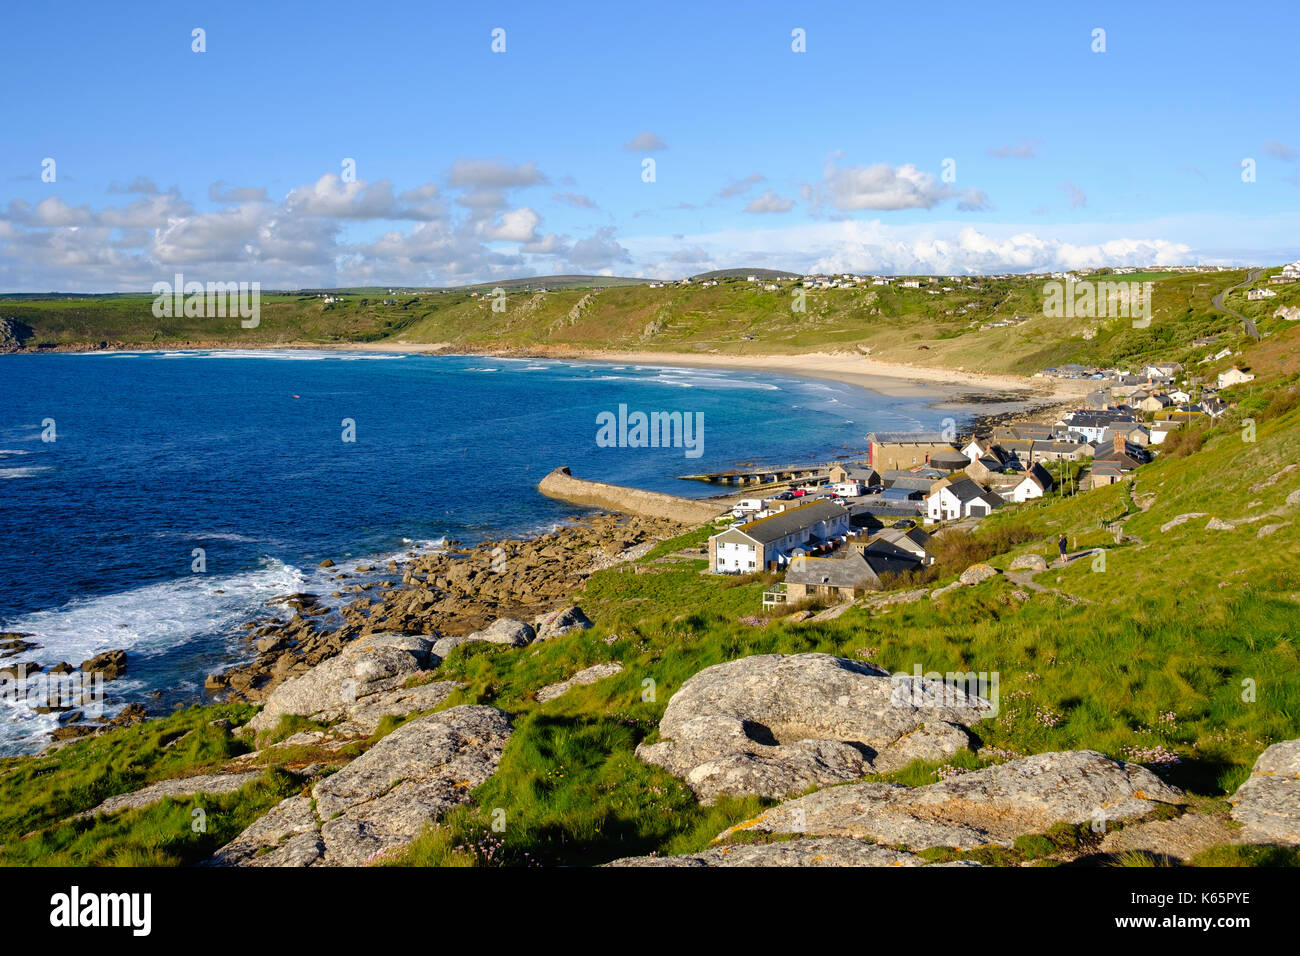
(561, 484)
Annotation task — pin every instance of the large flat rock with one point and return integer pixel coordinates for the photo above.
(370, 665)
(582, 678)
(361, 717)
(1268, 803)
(775, 725)
(829, 851)
(992, 806)
(208, 783)
(382, 800)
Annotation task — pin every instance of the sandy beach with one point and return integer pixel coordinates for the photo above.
(888, 378)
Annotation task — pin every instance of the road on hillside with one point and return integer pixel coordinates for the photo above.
(1246, 323)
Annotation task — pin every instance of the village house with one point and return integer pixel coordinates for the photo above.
(1061, 451)
(870, 513)
(1214, 407)
(977, 448)
(768, 543)
(863, 474)
(1128, 453)
(893, 474)
(982, 469)
(901, 450)
(1159, 370)
(1034, 483)
(961, 499)
(904, 544)
(1101, 474)
(1090, 424)
(1234, 376)
(840, 578)
(1182, 413)
(901, 489)
(1027, 431)
(1160, 430)
(1021, 451)
(1134, 434)
(1099, 400)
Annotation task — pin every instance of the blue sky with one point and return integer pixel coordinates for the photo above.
(472, 165)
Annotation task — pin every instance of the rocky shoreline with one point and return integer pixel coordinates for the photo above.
(444, 595)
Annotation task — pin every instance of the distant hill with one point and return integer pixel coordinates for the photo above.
(528, 282)
(742, 273)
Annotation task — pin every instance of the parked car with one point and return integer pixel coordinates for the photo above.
(785, 496)
(798, 493)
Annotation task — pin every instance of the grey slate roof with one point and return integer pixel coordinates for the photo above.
(849, 571)
(909, 484)
(777, 526)
(863, 473)
(909, 438)
(967, 490)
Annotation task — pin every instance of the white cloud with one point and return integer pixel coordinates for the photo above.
(1021, 150)
(141, 184)
(879, 186)
(1076, 195)
(53, 211)
(331, 197)
(738, 187)
(974, 200)
(577, 200)
(218, 192)
(149, 212)
(646, 142)
(599, 251)
(871, 246)
(769, 202)
(491, 174)
(517, 225)
(1280, 150)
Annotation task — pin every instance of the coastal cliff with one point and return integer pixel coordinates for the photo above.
(561, 484)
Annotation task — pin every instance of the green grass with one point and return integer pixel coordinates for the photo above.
(1242, 855)
(172, 832)
(36, 792)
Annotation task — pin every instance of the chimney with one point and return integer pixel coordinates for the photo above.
(1120, 446)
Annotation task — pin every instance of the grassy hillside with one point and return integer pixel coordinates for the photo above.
(944, 323)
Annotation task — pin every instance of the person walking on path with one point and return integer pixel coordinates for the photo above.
(1060, 546)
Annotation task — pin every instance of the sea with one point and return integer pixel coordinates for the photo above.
(155, 501)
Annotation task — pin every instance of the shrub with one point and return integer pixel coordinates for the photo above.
(1184, 442)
